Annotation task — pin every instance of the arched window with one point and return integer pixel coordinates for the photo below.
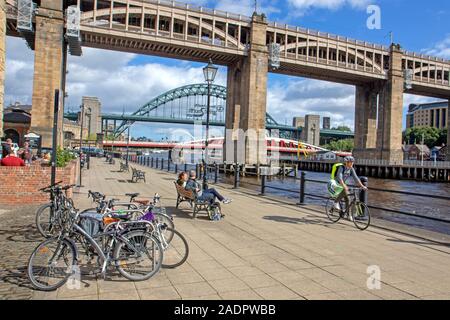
(13, 135)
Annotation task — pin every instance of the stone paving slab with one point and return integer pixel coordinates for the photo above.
(264, 249)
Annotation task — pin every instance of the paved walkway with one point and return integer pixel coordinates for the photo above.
(264, 249)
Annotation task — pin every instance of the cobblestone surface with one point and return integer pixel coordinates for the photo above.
(18, 238)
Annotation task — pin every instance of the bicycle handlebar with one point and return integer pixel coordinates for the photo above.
(50, 186)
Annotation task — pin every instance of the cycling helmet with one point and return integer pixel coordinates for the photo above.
(349, 159)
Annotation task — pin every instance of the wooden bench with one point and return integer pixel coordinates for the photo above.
(137, 175)
(124, 167)
(184, 195)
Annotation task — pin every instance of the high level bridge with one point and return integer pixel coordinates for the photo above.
(249, 46)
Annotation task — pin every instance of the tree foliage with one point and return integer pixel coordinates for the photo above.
(346, 145)
(431, 136)
(342, 128)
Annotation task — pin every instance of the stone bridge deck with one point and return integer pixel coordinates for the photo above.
(264, 249)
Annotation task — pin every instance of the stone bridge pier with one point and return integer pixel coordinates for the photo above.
(379, 115)
(48, 70)
(247, 99)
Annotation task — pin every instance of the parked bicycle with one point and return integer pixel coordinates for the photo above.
(48, 216)
(357, 211)
(133, 251)
(173, 242)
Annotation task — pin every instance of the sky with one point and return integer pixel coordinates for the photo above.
(124, 81)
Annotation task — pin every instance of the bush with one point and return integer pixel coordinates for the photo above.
(341, 145)
(63, 157)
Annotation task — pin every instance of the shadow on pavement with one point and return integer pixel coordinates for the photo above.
(26, 233)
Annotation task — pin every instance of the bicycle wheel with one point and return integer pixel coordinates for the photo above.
(51, 264)
(139, 257)
(47, 222)
(167, 225)
(361, 215)
(332, 213)
(176, 251)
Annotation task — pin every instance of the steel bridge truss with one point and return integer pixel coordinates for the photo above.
(188, 102)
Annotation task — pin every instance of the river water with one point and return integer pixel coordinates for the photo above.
(415, 205)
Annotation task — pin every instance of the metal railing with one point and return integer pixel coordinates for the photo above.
(300, 191)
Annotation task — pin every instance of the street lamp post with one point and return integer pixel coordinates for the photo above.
(88, 154)
(209, 72)
(128, 145)
(81, 138)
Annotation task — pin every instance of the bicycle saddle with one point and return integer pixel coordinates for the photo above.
(132, 195)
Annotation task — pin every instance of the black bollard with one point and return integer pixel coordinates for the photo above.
(302, 187)
(236, 176)
(216, 172)
(263, 184)
(185, 167)
(363, 196)
(168, 165)
(151, 164)
(197, 168)
(176, 167)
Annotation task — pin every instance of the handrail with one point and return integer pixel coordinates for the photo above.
(301, 192)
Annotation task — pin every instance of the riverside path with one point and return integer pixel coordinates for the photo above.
(265, 248)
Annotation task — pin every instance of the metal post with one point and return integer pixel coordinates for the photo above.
(151, 165)
(176, 167)
(81, 140)
(185, 167)
(128, 145)
(263, 184)
(302, 187)
(55, 137)
(363, 196)
(236, 176)
(168, 165)
(157, 163)
(162, 164)
(216, 172)
(197, 169)
(205, 162)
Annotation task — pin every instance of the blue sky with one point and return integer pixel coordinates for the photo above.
(128, 81)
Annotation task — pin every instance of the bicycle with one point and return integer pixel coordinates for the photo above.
(357, 211)
(135, 253)
(174, 244)
(48, 216)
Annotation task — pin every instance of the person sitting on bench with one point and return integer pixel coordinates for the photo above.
(182, 179)
(204, 195)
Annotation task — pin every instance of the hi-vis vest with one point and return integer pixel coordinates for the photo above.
(335, 168)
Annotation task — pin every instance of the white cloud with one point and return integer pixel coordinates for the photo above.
(306, 96)
(19, 72)
(440, 49)
(110, 77)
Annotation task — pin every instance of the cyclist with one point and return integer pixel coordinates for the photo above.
(337, 185)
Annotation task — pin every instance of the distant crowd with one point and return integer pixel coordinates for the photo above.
(16, 157)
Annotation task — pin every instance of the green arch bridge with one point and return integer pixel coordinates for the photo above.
(187, 105)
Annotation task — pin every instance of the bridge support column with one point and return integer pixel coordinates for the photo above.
(247, 99)
(48, 69)
(365, 121)
(390, 113)
(2, 59)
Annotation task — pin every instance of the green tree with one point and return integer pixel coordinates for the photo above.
(430, 135)
(346, 145)
(442, 138)
(342, 128)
